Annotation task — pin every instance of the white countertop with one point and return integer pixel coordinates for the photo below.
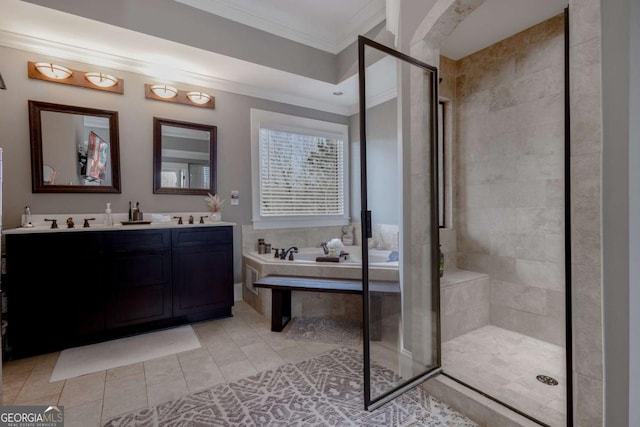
(42, 226)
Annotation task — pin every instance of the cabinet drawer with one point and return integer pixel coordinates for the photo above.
(139, 268)
(196, 236)
(122, 241)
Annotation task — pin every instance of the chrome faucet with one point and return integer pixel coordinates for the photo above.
(292, 250)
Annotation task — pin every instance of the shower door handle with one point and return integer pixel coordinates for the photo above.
(368, 227)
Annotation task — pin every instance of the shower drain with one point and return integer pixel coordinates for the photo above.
(547, 380)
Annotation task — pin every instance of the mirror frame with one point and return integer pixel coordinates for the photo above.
(157, 157)
(37, 163)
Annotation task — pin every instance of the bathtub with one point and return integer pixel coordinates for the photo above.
(304, 263)
(256, 265)
(377, 257)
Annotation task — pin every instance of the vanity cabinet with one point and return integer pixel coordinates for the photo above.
(71, 288)
(202, 269)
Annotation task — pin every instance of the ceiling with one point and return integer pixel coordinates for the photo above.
(495, 20)
(329, 25)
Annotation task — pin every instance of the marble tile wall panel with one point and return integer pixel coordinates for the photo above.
(510, 175)
(586, 174)
(464, 307)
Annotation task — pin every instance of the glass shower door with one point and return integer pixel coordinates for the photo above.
(399, 218)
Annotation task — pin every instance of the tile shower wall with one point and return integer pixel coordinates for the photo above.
(586, 175)
(509, 153)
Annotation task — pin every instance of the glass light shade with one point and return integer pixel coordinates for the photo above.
(53, 71)
(164, 91)
(101, 79)
(199, 97)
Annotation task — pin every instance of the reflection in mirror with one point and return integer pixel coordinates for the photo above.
(48, 175)
(73, 149)
(184, 157)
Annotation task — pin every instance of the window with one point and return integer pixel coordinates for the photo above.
(299, 171)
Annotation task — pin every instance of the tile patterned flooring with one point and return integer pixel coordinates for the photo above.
(498, 361)
(232, 348)
(504, 364)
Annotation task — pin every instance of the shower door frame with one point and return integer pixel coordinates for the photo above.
(369, 402)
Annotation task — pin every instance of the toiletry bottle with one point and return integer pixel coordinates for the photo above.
(108, 218)
(134, 214)
(139, 212)
(261, 246)
(27, 217)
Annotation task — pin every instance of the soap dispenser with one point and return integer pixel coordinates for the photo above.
(26, 222)
(108, 218)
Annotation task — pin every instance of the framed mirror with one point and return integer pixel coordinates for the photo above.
(184, 157)
(73, 149)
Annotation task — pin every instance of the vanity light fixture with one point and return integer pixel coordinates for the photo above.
(55, 73)
(198, 97)
(164, 92)
(101, 79)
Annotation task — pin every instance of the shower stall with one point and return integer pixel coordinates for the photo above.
(478, 170)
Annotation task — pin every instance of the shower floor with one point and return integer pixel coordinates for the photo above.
(504, 364)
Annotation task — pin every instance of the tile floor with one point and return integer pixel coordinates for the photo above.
(232, 348)
(504, 364)
(500, 362)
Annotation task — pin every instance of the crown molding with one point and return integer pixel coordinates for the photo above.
(374, 100)
(367, 18)
(48, 48)
(302, 32)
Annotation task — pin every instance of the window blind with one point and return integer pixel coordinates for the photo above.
(300, 174)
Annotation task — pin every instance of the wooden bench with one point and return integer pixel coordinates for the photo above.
(281, 287)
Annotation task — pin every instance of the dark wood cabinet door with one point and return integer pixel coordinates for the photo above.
(202, 272)
(83, 286)
(54, 288)
(202, 279)
(36, 305)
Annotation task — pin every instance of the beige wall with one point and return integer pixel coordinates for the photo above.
(509, 151)
(136, 113)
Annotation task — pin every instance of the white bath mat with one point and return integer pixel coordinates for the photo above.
(77, 361)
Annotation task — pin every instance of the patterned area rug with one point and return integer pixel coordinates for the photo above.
(325, 390)
(317, 329)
